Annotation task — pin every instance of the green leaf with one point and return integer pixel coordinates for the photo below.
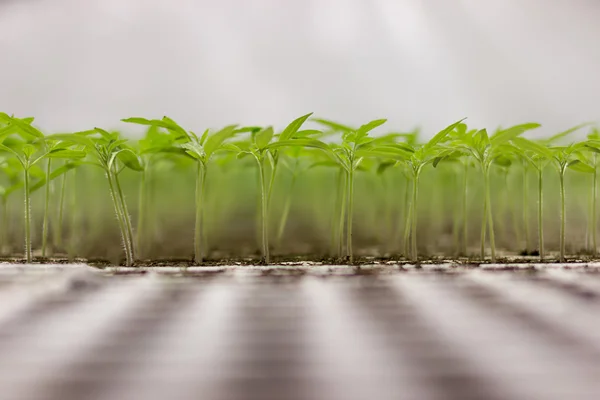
(592, 147)
(307, 133)
(246, 129)
(368, 127)
(505, 135)
(563, 134)
(231, 147)
(531, 146)
(195, 150)
(165, 122)
(577, 165)
(10, 150)
(327, 163)
(385, 154)
(503, 161)
(204, 136)
(130, 159)
(215, 140)
(441, 135)
(314, 143)
(263, 138)
(382, 167)
(333, 125)
(396, 151)
(29, 150)
(293, 127)
(75, 138)
(53, 175)
(481, 139)
(66, 153)
(25, 127)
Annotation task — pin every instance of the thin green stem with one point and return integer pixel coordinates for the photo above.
(118, 212)
(526, 208)
(408, 221)
(4, 227)
(198, 230)
(286, 210)
(464, 209)
(152, 217)
(126, 216)
(400, 216)
(28, 256)
(594, 201)
(271, 182)
(141, 227)
(350, 215)
(415, 190)
(58, 229)
(541, 213)
(337, 206)
(75, 218)
(387, 231)
(263, 203)
(456, 216)
(562, 214)
(46, 208)
(484, 217)
(488, 201)
(341, 222)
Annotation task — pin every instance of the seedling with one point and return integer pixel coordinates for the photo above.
(415, 157)
(487, 150)
(390, 186)
(348, 156)
(201, 149)
(112, 154)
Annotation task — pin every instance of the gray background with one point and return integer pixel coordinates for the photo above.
(74, 64)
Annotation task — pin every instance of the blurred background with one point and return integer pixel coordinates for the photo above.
(74, 64)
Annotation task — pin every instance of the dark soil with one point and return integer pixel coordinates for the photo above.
(463, 262)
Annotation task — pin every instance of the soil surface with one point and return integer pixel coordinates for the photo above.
(398, 331)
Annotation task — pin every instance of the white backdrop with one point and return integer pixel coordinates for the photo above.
(74, 64)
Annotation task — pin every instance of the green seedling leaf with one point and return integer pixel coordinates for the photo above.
(577, 165)
(314, 143)
(333, 125)
(503, 161)
(263, 138)
(231, 147)
(528, 145)
(215, 140)
(293, 127)
(195, 150)
(76, 138)
(53, 175)
(395, 151)
(246, 129)
(10, 150)
(481, 139)
(327, 163)
(384, 166)
(130, 159)
(24, 127)
(165, 122)
(66, 153)
(566, 133)
(204, 136)
(29, 150)
(307, 133)
(441, 135)
(368, 127)
(503, 136)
